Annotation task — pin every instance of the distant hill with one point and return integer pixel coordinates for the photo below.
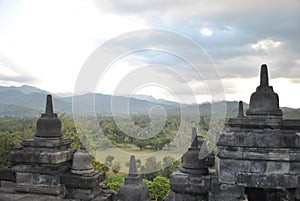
(26, 89)
(28, 101)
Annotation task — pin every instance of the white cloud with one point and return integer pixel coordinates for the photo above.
(206, 31)
(266, 44)
(52, 39)
(7, 71)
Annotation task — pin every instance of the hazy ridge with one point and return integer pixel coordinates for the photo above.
(30, 101)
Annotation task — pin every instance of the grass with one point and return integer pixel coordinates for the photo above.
(122, 154)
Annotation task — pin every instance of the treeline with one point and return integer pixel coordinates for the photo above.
(13, 130)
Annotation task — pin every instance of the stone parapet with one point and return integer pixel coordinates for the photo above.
(41, 156)
(88, 181)
(187, 184)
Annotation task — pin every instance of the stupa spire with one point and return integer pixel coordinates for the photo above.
(49, 105)
(83, 144)
(264, 77)
(194, 138)
(132, 167)
(241, 109)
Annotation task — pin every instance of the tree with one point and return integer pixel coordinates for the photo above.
(99, 166)
(151, 168)
(204, 123)
(6, 145)
(12, 131)
(169, 164)
(114, 182)
(69, 131)
(116, 167)
(158, 188)
(108, 160)
(158, 142)
(138, 163)
(141, 143)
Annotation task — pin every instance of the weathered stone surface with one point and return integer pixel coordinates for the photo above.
(226, 139)
(297, 193)
(229, 168)
(258, 166)
(42, 168)
(188, 184)
(170, 196)
(7, 174)
(189, 197)
(224, 189)
(272, 140)
(47, 143)
(103, 195)
(278, 167)
(131, 192)
(88, 181)
(82, 162)
(42, 189)
(256, 123)
(268, 180)
(28, 197)
(212, 197)
(295, 168)
(41, 156)
(7, 187)
(37, 179)
(269, 154)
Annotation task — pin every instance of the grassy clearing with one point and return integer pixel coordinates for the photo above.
(122, 154)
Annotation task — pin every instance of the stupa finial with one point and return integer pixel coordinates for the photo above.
(241, 109)
(83, 145)
(132, 167)
(194, 138)
(264, 77)
(49, 105)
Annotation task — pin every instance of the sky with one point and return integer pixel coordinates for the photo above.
(45, 43)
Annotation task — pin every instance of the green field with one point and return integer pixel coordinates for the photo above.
(122, 155)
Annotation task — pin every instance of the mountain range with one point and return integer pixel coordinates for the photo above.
(30, 101)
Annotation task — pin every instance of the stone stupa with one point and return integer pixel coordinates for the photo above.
(40, 162)
(46, 168)
(261, 150)
(192, 180)
(133, 188)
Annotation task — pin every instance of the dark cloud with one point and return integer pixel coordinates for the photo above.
(206, 9)
(237, 26)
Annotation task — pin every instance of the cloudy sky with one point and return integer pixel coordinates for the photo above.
(45, 44)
